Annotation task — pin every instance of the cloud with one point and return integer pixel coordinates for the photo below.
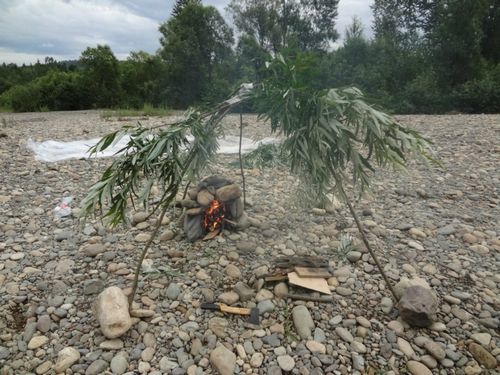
(350, 8)
(30, 30)
(65, 28)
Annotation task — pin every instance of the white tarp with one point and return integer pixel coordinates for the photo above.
(52, 151)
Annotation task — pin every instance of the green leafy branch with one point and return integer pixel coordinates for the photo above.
(163, 155)
(331, 138)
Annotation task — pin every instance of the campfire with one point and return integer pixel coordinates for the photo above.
(213, 206)
(214, 216)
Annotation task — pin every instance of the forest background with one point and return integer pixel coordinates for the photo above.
(424, 57)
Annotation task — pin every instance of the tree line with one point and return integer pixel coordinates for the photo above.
(424, 57)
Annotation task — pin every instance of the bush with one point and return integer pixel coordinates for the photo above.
(22, 98)
(62, 91)
(422, 95)
(480, 95)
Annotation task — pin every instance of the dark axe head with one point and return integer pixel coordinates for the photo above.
(252, 313)
(253, 318)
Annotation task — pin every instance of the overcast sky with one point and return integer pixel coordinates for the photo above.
(33, 29)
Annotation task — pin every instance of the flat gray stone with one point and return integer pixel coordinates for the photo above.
(303, 321)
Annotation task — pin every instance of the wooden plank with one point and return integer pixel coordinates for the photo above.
(312, 272)
(319, 285)
(211, 235)
(305, 297)
(300, 261)
(276, 278)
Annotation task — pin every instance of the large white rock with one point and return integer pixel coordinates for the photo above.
(223, 360)
(111, 310)
(404, 283)
(65, 359)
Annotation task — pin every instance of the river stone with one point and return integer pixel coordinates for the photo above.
(65, 359)
(167, 235)
(44, 367)
(417, 368)
(37, 342)
(4, 352)
(204, 198)
(404, 283)
(303, 321)
(481, 338)
(173, 291)
(232, 271)
(286, 362)
(418, 306)
(223, 360)
(229, 298)
(405, 347)
(93, 286)
(192, 227)
(428, 361)
(111, 311)
(119, 364)
(315, 347)
(344, 334)
(139, 217)
(281, 290)
(265, 306)
(353, 256)
(244, 291)
(92, 249)
(256, 360)
(228, 192)
(114, 344)
(435, 350)
(218, 326)
(481, 355)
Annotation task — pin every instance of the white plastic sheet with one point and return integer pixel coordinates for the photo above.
(52, 151)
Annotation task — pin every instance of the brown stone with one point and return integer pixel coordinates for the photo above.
(192, 193)
(111, 311)
(195, 211)
(223, 360)
(417, 368)
(188, 203)
(243, 222)
(192, 227)
(481, 355)
(204, 198)
(237, 208)
(65, 359)
(227, 193)
(418, 306)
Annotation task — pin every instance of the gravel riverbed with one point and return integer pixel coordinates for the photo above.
(440, 223)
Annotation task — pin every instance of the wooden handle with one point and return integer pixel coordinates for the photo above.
(235, 310)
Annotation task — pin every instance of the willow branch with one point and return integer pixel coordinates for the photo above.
(241, 162)
(143, 255)
(363, 236)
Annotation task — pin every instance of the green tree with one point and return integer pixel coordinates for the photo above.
(22, 98)
(354, 30)
(195, 44)
(141, 77)
(455, 40)
(180, 4)
(101, 72)
(491, 30)
(333, 139)
(302, 24)
(63, 91)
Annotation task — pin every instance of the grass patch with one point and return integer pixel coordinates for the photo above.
(5, 109)
(146, 110)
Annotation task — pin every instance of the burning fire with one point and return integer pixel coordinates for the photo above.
(214, 215)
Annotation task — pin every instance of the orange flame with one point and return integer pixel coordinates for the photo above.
(214, 215)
